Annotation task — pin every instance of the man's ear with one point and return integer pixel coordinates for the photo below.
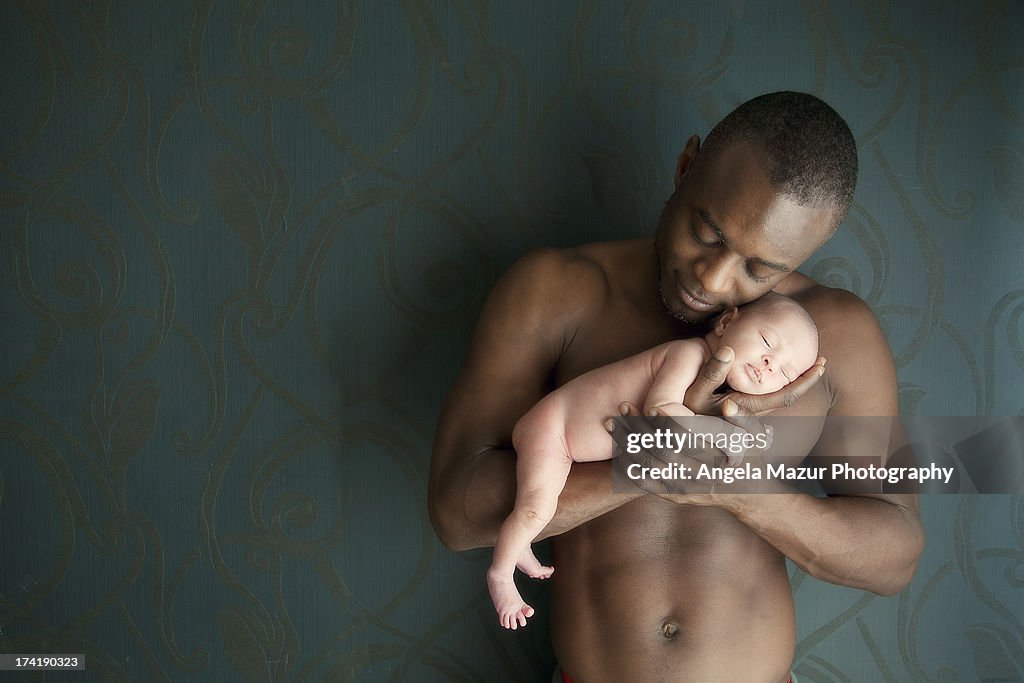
(725, 320)
(686, 158)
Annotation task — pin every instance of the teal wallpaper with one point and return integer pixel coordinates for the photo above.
(244, 244)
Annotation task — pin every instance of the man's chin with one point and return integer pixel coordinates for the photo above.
(688, 315)
(678, 309)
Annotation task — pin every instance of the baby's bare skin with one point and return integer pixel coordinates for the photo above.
(773, 345)
(686, 585)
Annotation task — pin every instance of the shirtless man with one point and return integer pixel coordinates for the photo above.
(774, 341)
(686, 586)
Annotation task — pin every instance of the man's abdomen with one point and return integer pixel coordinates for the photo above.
(655, 591)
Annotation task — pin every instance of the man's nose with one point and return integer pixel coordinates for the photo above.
(716, 273)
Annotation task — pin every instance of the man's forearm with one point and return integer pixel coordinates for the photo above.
(587, 494)
(467, 511)
(852, 541)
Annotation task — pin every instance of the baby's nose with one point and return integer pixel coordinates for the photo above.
(767, 360)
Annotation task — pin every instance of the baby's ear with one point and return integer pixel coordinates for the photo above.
(725, 320)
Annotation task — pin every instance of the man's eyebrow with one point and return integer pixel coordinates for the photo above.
(706, 217)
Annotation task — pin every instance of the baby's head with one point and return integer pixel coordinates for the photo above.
(775, 341)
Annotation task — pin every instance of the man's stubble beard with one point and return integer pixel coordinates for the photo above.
(664, 302)
(657, 274)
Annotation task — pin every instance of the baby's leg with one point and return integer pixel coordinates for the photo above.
(528, 564)
(541, 470)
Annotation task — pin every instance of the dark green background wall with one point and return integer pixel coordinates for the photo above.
(244, 244)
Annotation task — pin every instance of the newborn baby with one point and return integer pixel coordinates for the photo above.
(774, 340)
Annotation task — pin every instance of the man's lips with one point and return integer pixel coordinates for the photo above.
(693, 301)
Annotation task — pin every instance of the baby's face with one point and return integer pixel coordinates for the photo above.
(773, 347)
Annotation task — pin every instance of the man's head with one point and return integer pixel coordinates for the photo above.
(769, 186)
(774, 339)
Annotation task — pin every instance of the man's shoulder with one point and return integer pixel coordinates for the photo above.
(848, 330)
(837, 310)
(546, 293)
(829, 306)
(550, 267)
(579, 276)
(860, 375)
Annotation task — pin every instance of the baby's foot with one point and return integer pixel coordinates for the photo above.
(531, 566)
(512, 611)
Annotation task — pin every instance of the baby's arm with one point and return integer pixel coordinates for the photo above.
(682, 361)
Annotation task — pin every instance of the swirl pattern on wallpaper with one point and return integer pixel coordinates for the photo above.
(245, 245)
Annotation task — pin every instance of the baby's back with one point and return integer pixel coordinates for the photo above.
(576, 411)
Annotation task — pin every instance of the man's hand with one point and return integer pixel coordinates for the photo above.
(736, 408)
(631, 422)
(702, 399)
(694, 489)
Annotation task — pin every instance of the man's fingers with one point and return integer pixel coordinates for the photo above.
(620, 431)
(740, 410)
(627, 409)
(736, 415)
(730, 409)
(784, 397)
(621, 427)
(650, 485)
(699, 396)
(713, 374)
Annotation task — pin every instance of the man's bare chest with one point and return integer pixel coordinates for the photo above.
(619, 333)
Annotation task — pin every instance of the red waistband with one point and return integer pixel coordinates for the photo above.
(566, 679)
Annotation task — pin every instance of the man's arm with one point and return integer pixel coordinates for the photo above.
(872, 542)
(526, 325)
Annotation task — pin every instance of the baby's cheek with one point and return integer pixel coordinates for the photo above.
(768, 385)
(740, 381)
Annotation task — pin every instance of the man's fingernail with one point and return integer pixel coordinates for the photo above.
(609, 425)
(728, 408)
(652, 413)
(821, 371)
(624, 409)
(724, 354)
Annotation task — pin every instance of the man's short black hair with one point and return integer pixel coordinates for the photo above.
(812, 156)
